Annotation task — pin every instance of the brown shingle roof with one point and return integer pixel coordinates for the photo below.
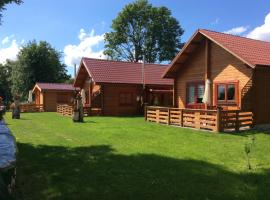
(55, 86)
(254, 52)
(108, 71)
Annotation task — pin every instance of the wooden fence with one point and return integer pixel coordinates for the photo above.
(213, 120)
(65, 109)
(25, 108)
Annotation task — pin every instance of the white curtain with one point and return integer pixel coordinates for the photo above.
(30, 96)
(83, 97)
(207, 92)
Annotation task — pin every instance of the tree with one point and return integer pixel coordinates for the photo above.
(4, 2)
(5, 73)
(141, 29)
(37, 62)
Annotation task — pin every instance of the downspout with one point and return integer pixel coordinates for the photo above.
(143, 101)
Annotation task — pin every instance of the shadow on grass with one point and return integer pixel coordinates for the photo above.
(97, 172)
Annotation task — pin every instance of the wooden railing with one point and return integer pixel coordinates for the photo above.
(65, 109)
(236, 120)
(25, 108)
(213, 120)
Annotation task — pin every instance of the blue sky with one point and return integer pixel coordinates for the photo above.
(76, 27)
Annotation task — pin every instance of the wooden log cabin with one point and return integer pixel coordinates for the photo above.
(51, 94)
(120, 88)
(237, 68)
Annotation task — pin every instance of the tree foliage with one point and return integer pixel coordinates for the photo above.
(5, 74)
(5, 2)
(141, 29)
(37, 62)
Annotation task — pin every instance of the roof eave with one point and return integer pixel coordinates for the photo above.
(231, 52)
(166, 73)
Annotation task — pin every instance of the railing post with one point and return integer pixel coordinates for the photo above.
(157, 116)
(181, 117)
(219, 121)
(237, 125)
(169, 116)
(197, 120)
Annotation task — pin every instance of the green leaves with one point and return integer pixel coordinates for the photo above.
(141, 29)
(4, 2)
(37, 62)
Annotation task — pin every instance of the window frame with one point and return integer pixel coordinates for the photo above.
(196, 84)
(125, 103)
(226, 102)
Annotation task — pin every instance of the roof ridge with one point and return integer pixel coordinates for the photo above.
(53, 83)
(202, 29)
(122, 61)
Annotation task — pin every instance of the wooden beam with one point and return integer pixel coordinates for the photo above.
(90, 94)
(207, 67)
(102, 98)
(174, 92)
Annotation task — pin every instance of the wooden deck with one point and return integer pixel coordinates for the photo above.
(213, 120)
(26, 108)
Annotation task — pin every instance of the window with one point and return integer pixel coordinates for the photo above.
(195, 92)
(125, 99)
(226, 93)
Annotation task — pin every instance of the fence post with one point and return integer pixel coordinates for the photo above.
(157, 116)
(197, 120)
(219, 121)
(169, 116)
(145, 113)
(237, 121)
(181, 117)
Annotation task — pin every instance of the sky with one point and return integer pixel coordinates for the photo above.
(76, 28)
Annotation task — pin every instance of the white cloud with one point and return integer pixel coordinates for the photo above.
(237, 30)
(261, 32)
(74, 53)
(5, 40)
(9, 52)
(215, 22)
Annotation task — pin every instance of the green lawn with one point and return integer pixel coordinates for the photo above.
(127, 158)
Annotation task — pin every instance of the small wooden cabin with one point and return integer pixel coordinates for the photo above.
(238, 69)
(51, 94)
(122, 88)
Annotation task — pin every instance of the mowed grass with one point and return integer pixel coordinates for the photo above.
(128, 158)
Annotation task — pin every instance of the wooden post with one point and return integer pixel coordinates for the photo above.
(181, 117)
(145, 112)
(174, 93)
(90, 94)
(219, 121)
(157, 116)
(237, 124)
(169, 116)
(102, 98)
(207, 68)
(197, 121)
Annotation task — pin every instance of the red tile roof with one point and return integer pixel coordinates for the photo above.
(254, 52)
(108, 71)
(55, 86)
